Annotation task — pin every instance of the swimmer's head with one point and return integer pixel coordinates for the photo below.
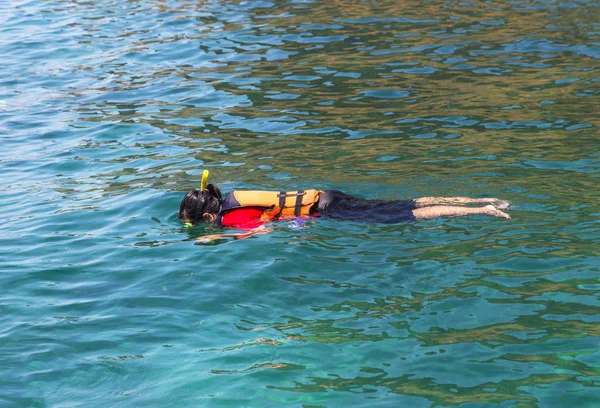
(201, 206)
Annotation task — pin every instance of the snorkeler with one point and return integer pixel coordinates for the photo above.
(249, 210)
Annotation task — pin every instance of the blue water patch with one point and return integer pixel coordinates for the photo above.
(388, 158)
(386, 94)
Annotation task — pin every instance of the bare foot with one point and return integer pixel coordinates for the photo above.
(500, 204)
(491, 210)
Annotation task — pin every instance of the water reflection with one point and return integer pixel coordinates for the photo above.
(378, 101)
(109, 112)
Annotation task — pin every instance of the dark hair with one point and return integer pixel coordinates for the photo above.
(196, 203)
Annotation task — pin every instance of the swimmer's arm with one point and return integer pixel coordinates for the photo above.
(242, 235)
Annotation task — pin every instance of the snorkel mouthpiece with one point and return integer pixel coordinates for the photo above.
(204, 180)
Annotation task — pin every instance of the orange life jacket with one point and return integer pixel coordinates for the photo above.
(284, 204)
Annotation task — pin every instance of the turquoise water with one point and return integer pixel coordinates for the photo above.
(110, 110)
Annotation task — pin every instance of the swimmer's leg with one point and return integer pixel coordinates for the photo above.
(429, 201)
(456, 211)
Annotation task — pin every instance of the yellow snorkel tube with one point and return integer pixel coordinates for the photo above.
(202, 187)
(204, 180)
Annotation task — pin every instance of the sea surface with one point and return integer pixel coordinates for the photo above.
(110, 110)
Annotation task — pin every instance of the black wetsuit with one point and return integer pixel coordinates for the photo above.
(337, 204)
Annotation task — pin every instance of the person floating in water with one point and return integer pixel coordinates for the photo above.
(250, 210)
